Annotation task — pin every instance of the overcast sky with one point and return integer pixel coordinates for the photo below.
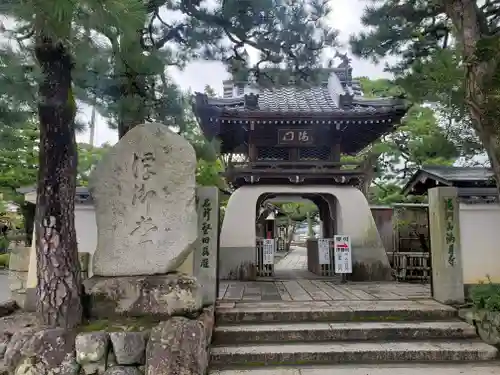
(345, 18)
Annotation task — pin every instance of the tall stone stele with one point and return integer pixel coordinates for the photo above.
(147, 224)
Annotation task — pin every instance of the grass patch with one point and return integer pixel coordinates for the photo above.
(486, 296)
(121, 324)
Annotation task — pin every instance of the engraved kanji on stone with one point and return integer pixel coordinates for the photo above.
(144, 226)
(206, 228)
(207, 209)
(145, 163)
(141, 194)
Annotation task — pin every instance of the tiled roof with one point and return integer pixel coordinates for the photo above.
(456, 174)
(448, 176)
(310, 100)
(292, 99)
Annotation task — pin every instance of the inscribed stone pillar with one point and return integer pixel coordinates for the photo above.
(447, 276)
(205, 256)
(144, 195)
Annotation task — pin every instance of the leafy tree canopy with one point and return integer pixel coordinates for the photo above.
(447, 54)
(421, 139)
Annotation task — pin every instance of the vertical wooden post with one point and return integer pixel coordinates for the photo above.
(252, 149)
(335, 153)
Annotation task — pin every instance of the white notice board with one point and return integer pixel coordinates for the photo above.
(268, 251)
(343, 254)
(324, 250)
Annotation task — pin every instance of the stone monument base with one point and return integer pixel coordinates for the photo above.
(158, 296)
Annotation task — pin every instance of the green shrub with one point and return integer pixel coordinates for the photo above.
(486, 296)
(4, 260)
(4, 243)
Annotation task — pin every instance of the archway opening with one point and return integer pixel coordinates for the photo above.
(288, 231)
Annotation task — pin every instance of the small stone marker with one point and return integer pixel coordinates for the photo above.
(144, 194)
(444, 225)
(205, 256)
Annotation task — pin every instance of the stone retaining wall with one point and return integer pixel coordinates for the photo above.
(19, 267)
(178, 345)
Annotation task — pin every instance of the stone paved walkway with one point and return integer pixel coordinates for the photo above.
(320, 290)
(294, 265)
(296, 260)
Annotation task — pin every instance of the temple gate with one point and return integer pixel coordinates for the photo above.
(292, 141)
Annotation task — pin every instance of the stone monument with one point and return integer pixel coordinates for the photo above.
(444, 225)
(147, 225)
(205, 255)
(144, 194)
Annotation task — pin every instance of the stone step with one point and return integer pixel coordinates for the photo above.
(338, 311)
(360, 331)
(379, 369)
(345, 352)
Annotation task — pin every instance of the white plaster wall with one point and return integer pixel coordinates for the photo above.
(354, 218)
(86, 236)
(86, 231)
(86, 228)
(480, 242)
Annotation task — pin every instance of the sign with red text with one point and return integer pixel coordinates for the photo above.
(343, 254)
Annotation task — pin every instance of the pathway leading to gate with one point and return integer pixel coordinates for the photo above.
(294, 265)
(320, 290)
(316, 327)
(296, 259)
(320, 326)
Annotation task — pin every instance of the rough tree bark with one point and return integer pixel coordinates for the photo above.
(481, 51)
(58, 270)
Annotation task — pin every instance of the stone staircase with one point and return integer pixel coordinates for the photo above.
(265, 334)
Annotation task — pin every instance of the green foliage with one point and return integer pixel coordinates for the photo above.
(18, 158)
(88, 157)
(486, 296)
(298, 211)
(389, 193)
(207, 173)
(379, 88)
(418, 141)
(4, 258)
(407, 29)
(126, 77)
(429, 67)
(421, 139)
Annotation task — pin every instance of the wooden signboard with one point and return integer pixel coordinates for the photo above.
(295, 137)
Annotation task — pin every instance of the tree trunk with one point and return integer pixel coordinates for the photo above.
(368, 165)
(133, 108)
(290, 233)
(58, 269)
(133, 86)
(481, 54)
